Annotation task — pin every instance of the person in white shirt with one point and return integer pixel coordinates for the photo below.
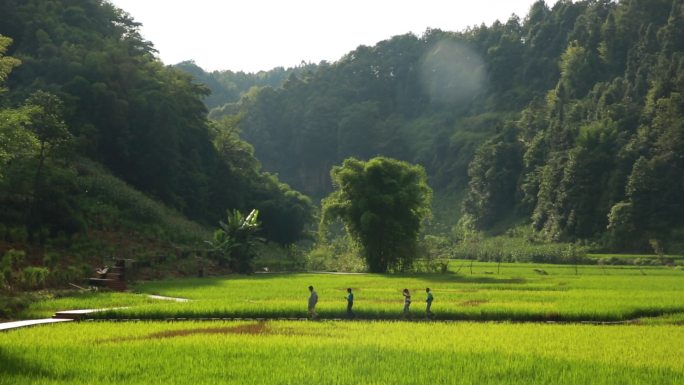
(407, 303)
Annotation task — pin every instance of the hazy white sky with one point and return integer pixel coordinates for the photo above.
(253, 35)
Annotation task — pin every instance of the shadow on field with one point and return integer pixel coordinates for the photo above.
(19, 367)
(151, 287)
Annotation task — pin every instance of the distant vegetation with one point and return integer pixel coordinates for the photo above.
(229, 86)
(571, 119)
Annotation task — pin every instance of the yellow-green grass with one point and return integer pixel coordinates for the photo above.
(284, 352)
(518, 293)
(675, 257)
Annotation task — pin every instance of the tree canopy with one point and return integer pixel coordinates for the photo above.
(382, 203)
(87, 74)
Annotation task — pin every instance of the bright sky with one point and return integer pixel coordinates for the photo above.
(253, 35)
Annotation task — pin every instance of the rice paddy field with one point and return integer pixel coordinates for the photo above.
(509, 292)
(487, 330)
(341, 352)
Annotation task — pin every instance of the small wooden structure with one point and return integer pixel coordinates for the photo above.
(113, 277)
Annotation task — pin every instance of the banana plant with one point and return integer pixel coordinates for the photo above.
(235, 240)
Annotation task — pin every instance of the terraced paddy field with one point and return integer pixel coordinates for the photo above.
(506, 292)
(343, 352)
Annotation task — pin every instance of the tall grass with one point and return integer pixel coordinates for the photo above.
(519, 249)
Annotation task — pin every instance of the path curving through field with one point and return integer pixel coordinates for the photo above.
(73, 315)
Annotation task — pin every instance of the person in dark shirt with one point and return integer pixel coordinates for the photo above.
(350, 303)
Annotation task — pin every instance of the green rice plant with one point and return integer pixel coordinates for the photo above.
(518, 293)
(667, 319)
(277, 352)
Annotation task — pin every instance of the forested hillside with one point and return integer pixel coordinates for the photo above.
(602, 154)
(570, 119)
(229, 86)
(81, 89)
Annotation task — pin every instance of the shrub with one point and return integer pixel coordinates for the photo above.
(336, 257)
(61, 275)
(11, 305)
(34, 277)
(432, 265)
(9, 264)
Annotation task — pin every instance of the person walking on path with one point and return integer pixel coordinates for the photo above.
(407, 303)
(350, 303)
(313, 300)
(428, 303)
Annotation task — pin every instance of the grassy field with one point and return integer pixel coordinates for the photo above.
(286, 352)
(370, 352)
(517, 293)
(638, 259)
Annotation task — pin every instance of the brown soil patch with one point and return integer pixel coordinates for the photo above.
(473, 302)
(255, 329)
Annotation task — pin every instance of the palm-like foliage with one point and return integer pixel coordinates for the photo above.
(234, 240)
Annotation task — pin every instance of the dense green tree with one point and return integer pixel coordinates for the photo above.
(16, 140)
(382, 203)
(48, 125)
(238, 182)
(494, 174)
(52, 135)
(7, 63)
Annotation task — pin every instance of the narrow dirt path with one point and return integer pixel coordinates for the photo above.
(73, 315)
(164, 298)
(33, 322)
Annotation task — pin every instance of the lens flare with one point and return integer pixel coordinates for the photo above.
(452, 73)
